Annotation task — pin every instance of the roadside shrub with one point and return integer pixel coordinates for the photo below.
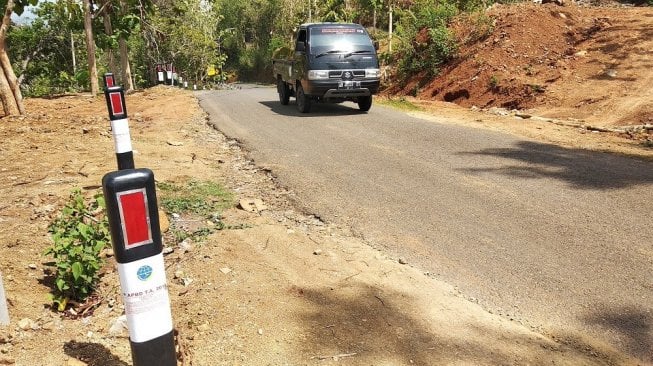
(427, 57)
(79, 234)
(426, 42)
(255, 64)
(482, 27)
(493, 83)
(443, 44)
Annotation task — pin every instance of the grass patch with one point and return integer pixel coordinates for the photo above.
(401, 104)
(200, 205)
(201, 198)
(536, 88)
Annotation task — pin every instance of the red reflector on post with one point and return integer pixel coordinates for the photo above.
(116, 103)
(135, 218)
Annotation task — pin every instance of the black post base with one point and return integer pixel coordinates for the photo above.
(156, 352)
(125, 160)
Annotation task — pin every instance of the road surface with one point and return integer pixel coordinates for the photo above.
(556, 238)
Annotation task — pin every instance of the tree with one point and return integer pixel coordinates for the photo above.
(45, 52)
(107, 11)
(10, 94)
(187, 35)
(126, 22)
(90, 47)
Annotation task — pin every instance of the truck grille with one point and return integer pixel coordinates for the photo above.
(347, 74)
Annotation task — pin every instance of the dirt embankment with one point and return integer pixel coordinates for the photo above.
(593, 64)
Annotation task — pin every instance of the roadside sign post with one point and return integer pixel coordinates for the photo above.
(133, 215)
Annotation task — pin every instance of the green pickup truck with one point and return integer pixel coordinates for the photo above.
(331, 62)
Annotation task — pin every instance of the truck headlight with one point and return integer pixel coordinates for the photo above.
(318, 74)
(372, 73)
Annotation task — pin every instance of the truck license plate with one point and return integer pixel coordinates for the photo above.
(349, 84)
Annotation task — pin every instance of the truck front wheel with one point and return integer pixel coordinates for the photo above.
(365, 103)
(303, 101)
(284, 91)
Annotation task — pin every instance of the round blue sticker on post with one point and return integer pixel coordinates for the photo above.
(144, 273)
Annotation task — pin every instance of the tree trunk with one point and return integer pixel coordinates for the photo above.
(7, 97)
(126, 70)
(90, 47)
(124, 56)
(13, 101)
(390, 30)
(72, 40)
(108, 30)
(26, 62)
(72, 52)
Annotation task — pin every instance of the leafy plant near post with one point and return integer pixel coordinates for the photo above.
(79, 234)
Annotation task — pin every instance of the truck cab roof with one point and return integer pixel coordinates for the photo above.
(329, 24)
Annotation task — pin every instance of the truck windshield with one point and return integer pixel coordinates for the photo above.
(331, 40)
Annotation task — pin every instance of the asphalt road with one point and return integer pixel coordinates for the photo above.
(550, 236)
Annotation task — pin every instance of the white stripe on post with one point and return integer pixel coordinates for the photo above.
(121, 137)
(145, 294)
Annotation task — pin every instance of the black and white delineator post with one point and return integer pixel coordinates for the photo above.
(160, 77)
(109, 80)
(169, 72)
(132, 210)
(115, 97)
(130, 196)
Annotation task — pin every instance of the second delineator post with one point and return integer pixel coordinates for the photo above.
(115, 97)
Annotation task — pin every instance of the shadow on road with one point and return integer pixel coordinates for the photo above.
(579, 168)
(317, 110)
(632, 326)
(374, 326)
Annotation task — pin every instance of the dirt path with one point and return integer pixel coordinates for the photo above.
(285, 289)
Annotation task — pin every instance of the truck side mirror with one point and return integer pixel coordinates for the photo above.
(376, 45)
(300, 47)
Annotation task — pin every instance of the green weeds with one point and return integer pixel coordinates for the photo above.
(201, 203)
(493, 83)
(400, 103)
(79, 234)
(201, 198)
